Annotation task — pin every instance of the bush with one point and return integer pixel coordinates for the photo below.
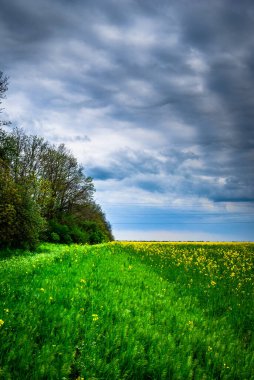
(68, 230)
(58, 232)
(95, 235)
(55, 237)
(78, 235)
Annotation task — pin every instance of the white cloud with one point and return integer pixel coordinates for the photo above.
(197, 62)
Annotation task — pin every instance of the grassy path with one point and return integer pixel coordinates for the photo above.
(122, 311)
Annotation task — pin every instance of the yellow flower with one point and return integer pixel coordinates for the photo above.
(83, 280)
(6, 310)
(95, 317)
(42, 289)
(190, 324)
(213, 283)
(1, 322)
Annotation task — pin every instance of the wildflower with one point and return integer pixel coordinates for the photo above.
(51, 298)
(6, 310)
(42, 289)
(190, 324)
(213, 283)
(1, 322)
(95, 317)
(83, 280)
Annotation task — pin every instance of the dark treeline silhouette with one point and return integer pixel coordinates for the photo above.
(44, 193)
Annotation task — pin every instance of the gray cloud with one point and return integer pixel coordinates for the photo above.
(179, 173)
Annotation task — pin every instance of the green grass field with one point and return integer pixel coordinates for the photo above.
(128, 311)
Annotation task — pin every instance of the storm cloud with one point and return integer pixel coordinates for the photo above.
(155, 99)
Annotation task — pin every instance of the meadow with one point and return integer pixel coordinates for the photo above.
(128, 311)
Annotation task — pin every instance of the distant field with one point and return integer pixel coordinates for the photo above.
(128, 311)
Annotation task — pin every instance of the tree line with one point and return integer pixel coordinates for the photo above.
(44, 193)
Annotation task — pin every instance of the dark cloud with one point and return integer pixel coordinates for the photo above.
(127, 164)
(218, 26)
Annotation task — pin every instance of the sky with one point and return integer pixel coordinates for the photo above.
(154, 98)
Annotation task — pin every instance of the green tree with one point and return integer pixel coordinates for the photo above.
(20, 219)
(92, 212)
(69, 186)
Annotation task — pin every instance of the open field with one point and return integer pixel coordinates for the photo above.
(128, 311)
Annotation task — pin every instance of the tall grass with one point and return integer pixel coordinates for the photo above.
(128, 311)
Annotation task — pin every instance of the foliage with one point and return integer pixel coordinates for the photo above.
(128, 311)
(92, 212)
(20, 219)
(72, 230)
(66, 232)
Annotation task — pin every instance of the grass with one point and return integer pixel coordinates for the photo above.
(128, 311)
